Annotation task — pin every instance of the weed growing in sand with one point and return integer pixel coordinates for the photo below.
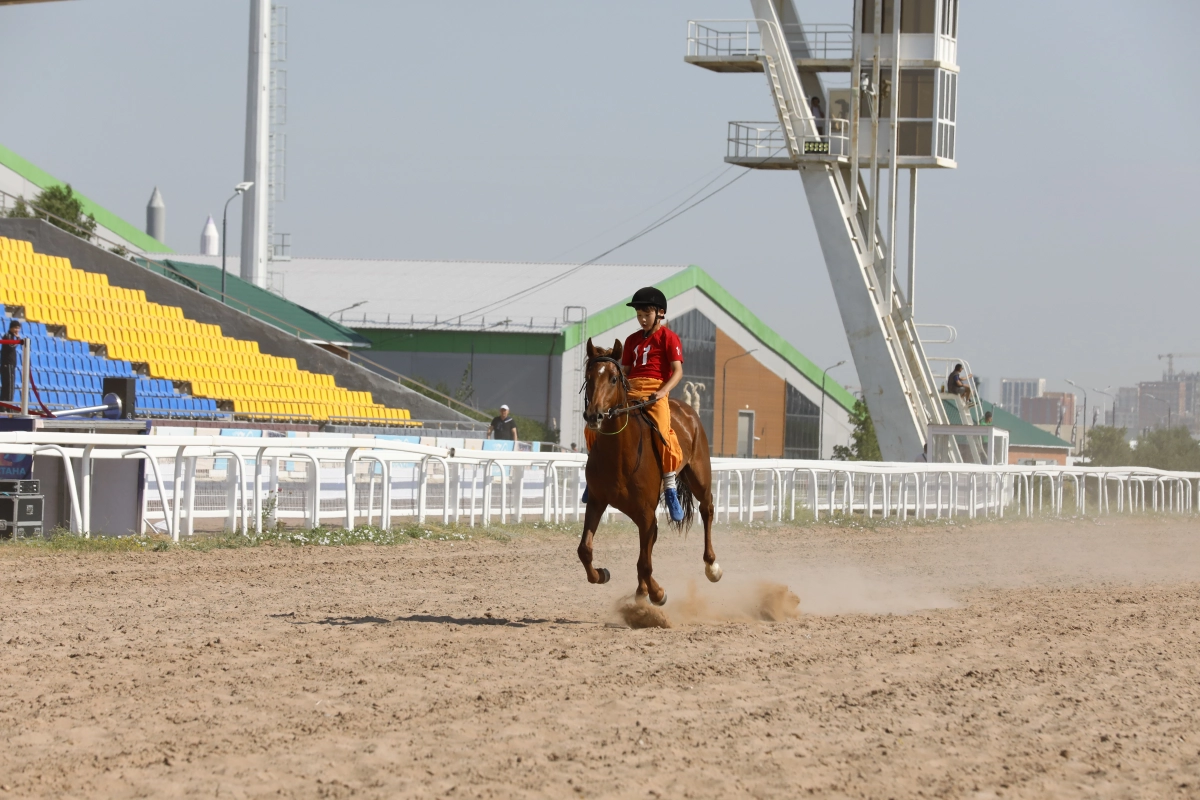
(61, 540)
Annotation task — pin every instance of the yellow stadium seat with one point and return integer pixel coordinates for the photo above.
(90, 309)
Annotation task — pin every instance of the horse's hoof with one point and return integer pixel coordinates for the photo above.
(604, 576)
(713, 571)
(662, 602)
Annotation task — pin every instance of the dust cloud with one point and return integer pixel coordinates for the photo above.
(762, 601)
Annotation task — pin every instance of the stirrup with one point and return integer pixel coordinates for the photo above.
(673, 505)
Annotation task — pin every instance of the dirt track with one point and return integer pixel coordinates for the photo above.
(1014, 660)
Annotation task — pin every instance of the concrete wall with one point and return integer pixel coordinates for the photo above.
(50, 240)
(750, 387)
(521, 381)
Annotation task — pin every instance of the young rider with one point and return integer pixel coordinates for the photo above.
(653, 361)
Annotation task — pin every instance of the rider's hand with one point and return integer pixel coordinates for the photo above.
(659, 395)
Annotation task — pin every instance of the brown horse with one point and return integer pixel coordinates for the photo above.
(624, 469)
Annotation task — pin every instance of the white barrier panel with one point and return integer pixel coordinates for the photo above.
(246, 484)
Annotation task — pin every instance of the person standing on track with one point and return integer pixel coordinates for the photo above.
(8, 364)
(503, 427)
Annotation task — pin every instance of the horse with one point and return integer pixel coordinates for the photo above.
(624, 469)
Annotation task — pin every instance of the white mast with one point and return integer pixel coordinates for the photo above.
(254, 204)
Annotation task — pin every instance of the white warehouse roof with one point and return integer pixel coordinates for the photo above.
(452, 295)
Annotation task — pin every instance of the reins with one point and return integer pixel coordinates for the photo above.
(616, 410)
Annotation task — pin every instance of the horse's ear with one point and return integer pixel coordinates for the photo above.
(591, 349)
(616, 351)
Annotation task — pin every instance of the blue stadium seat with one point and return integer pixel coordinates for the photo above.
(68, 375)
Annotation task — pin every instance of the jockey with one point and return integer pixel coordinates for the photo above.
(653, 361)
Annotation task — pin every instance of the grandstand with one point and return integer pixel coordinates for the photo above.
(209, 373)
(67, 375)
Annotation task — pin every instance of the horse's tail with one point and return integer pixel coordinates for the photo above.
(684, 490)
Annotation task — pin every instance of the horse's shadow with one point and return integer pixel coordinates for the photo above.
(444, 619)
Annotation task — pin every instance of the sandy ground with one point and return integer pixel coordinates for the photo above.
(1000, 660)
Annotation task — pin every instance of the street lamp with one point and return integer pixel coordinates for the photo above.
(1105, 392)
(724, 389)
(821, 420)
(347, 308)
(1165, 403)
(1080, 388)
(238, 191)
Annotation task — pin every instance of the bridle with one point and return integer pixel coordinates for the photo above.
(625, 408)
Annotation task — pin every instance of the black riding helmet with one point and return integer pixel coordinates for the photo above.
(648, 296)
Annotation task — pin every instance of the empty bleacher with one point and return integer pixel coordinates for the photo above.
(68, 375)
(219, 369)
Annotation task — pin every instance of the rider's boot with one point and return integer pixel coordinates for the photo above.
(672, 497)
(584, 499)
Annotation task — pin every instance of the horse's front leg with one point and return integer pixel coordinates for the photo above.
(647, 586)
(591, 521)
(702, 491)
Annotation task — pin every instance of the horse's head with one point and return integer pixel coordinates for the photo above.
(604, 384)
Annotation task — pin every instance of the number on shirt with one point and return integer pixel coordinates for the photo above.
(645, 354)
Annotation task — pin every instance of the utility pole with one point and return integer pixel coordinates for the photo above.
(821, 422)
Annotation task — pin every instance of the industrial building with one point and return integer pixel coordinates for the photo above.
(515, 333)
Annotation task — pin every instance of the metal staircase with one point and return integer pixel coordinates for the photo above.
(896, 380)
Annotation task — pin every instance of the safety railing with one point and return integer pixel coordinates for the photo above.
(723, 38)
(740, 38)
(212, 482)
(820, 40)
(761, 140)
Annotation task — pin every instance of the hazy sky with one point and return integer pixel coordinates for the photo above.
(1061, 248)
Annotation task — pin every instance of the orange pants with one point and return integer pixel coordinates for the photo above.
(660, 412)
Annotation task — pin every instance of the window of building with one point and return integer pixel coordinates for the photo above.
(947, 112)
(916, 16)
(698, 334)
(802, 425)
(949, 19)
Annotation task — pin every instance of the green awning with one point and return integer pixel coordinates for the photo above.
(1020, 432)
(259, 303)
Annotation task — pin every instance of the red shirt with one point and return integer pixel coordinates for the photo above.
(651, 357)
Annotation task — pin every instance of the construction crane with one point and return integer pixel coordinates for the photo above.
(1170, 357)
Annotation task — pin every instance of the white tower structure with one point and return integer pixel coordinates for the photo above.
(210, 239)
(156, 216)
(263, 97)
(896, 113)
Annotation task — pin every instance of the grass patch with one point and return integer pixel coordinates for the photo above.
(62, 540)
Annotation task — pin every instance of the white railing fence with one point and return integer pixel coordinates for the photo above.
(244, 485)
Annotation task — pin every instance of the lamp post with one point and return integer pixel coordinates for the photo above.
(1080, 388)
(238, 191)
(821, 421)
(1165, 403)
(725, 389)
(1105, 392)
(347, 308)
